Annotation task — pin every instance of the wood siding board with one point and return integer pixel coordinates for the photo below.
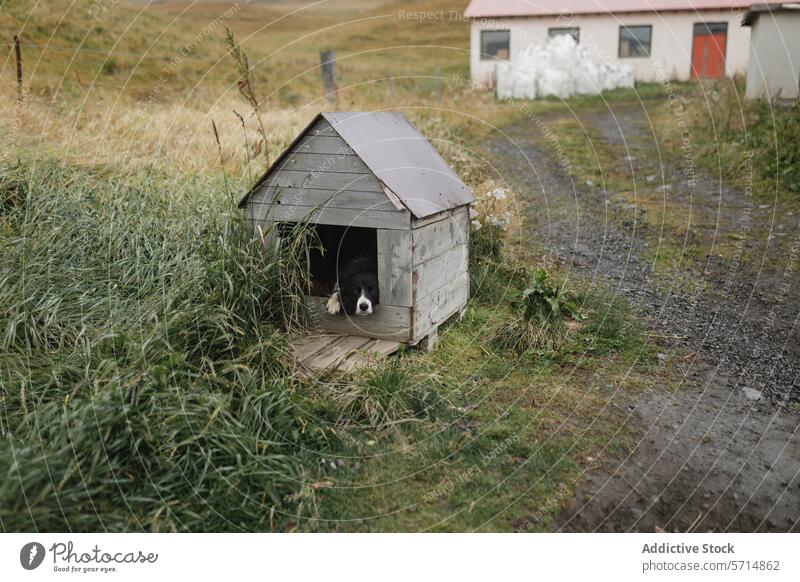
(307, 179)
(322, 144)
(323, 163)
(352, 199)
(434, 273)
(437, 307)
(421, 222)
(342, 216)
(258, 207)
(388, 322)
(394, 267)
(434, 239)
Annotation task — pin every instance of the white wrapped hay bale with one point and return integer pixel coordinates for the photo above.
(555, 82)
(561, 68)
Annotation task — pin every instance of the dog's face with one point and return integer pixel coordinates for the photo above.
(359, 294)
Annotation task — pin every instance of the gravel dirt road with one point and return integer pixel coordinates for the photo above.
(717, 446)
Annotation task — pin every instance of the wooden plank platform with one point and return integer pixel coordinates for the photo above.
(323, 351)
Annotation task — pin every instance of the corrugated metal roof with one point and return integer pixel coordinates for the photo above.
(498, 8)
(399, 156)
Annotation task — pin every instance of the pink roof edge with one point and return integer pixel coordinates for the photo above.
(498, 8)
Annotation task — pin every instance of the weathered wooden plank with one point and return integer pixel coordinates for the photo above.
(336, 353)
(306, 346)
(394, 267)
(322, 144)
(369, 354)
(323, 180)
(394, 219)
(436, 238)
(352, 199)
(388, 322)
(381, 347)
(394, 198)
(432, 310)
(420, 222)
(259, 206)
(434, 273)
(323, 163)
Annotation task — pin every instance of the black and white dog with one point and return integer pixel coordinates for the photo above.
(356, 290)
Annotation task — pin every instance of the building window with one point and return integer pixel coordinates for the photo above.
(634, 41)
(574, 32)
(710, 28)
(494, 44)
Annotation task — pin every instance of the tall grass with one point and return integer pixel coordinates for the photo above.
(753, 142)
(144, 379)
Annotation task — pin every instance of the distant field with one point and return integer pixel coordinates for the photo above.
(127, 47)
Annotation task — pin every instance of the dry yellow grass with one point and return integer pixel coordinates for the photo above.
(131, 135)
(158, 113)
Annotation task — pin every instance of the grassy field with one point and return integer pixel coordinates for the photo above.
(145, 378)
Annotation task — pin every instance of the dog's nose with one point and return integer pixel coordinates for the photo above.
(363, 306)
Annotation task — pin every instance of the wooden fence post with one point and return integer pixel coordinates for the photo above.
(18, 54)
(328, 65)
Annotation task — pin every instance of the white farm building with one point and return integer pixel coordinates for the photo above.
(673, 39)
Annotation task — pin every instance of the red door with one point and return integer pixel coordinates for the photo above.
(708, 50)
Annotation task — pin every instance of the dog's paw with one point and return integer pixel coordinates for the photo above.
(334, 305)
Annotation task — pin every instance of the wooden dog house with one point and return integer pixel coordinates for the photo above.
(374, 172)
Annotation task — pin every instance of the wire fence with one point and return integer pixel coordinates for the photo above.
(107, 54)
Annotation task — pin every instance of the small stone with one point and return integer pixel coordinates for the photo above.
(661, 357)
(751, 394)
(650, 178)
(589, 183)
(333, 465)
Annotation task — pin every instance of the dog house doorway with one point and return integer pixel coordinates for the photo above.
(330, 247)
